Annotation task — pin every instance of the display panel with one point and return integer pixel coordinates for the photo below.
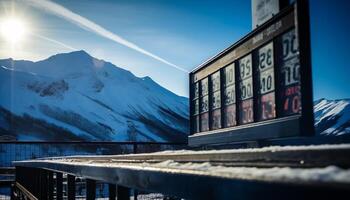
(290, 95)
(229, 96)
(246, 111)
(204, 105)
(196, 90)
(215, 81)
(230, 115)
(216, 101)
(216, 119)
(204, 102)
(229, 75)
(266, 69)
(195, 108)
(204, 87)
(196, 123)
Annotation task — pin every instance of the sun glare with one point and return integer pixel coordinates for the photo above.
(13, 30)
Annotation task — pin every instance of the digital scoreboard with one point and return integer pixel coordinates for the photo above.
(258, 88)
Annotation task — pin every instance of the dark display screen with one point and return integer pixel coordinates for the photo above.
(258, 82)
(259, 87)
(247, 93)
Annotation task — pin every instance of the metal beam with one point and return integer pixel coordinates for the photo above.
(43, 184)
(90, 189)
(71, 187)
(50, 185)
(311, 157)
(59, 186)
(112, 191)
(192, 184)
(123, 193)
(136, 193)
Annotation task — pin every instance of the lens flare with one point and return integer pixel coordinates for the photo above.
(13, 30)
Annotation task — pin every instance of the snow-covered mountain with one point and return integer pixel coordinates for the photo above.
(332, 117)
(73, 96)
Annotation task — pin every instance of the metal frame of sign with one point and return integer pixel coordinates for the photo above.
(271, 113)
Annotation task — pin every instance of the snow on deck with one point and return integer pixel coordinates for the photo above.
(330, 174)
(256, 150)
(225, 151)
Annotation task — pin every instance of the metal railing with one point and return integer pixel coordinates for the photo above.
(189, 174)
(19, 150)
(16, 150)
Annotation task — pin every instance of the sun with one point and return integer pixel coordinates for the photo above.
(13, 30)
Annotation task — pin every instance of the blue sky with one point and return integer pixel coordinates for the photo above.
(182, 32)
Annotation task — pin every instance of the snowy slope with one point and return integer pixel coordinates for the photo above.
(74, 96)
(332, 117)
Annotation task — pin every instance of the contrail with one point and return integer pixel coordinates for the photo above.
(55, 41)
(89, 25)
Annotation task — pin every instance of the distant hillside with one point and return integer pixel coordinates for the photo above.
(73, 96)
(332, 117)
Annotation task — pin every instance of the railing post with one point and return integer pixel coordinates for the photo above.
(134, 147)
(123, 193)
(50, 185)
(135, 194)
(43, 184)
(71, 187)
(112, 191)
(13, 190)
(33, 181)
(90, 189)
(135, 151)
(59, 186)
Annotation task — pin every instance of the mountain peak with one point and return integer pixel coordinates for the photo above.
(81, 54)
(6, 59)
(147, 78)
(79, 59)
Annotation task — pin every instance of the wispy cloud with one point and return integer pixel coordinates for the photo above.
(55, 41)
(60, 11)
